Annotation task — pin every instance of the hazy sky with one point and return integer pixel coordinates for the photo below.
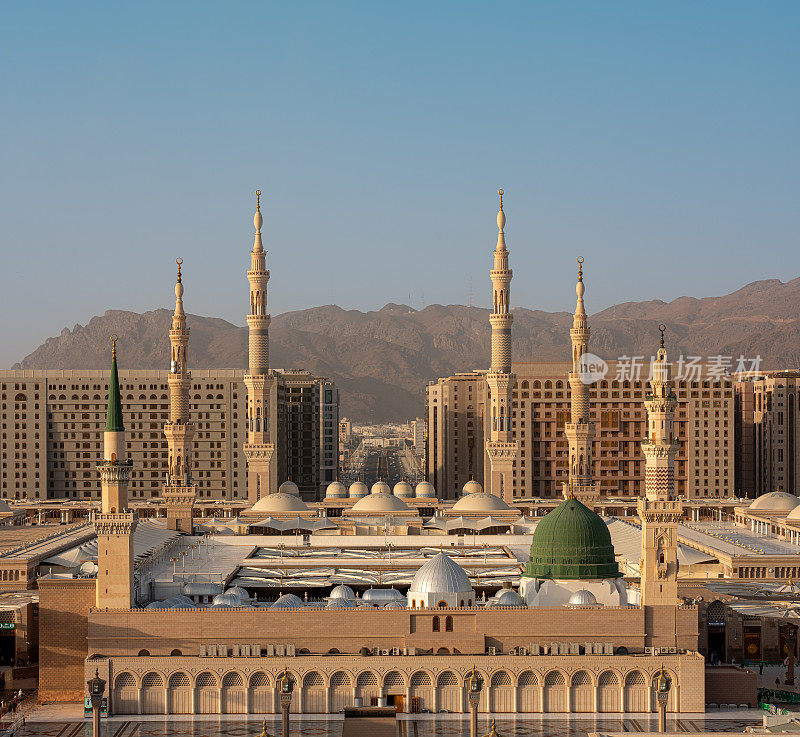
(657, 140)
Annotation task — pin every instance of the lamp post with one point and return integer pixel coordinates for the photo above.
(97, 687)
(286, 688)
(475, 686)
(662, 684)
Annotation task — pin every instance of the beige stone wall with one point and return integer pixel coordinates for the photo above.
(455, 407)
(63, 608)
(526, 684)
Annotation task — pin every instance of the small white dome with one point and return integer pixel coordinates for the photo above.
(582, 597)
(342, 592)
(289, 487)
(441, 575)
(288, 601)
(480, 502)
(471, 487)
(280, 503)
(222, 600)
(357, 490)
(379, 596)
(238, 591)
(336, 490)
(395, 605)
(381, 502)
(403, 489)
(509, 597)
(775, 502)
(380, 487)
(341, 604)
(425, 490)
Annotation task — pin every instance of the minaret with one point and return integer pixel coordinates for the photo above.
(259, 448)
(115, 524)
(580, 430)
(500, 447)
(179, 490)
(659, 509)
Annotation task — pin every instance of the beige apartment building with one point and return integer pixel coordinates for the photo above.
(51, 427)
(457, 433)
(768, 436)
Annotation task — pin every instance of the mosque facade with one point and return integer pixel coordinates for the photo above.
(572, 639)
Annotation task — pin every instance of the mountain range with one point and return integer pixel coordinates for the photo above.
(381, 360)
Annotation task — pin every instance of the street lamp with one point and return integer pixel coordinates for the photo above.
(286, 687)
(97, 687)
(662, 684)
(474, 686)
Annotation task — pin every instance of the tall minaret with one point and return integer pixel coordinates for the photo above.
(501, 448)
(179, 490)
(659, 509)
(259, 448)
(115, 524)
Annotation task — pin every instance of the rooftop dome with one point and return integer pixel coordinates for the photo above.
(341, 604)
(403, 488)
(342, 592)
(794, 515)
(226, 600)
(238, 591)
(509, 597)
(441, 575)
(280, 503)
(480, 501)
(357, 490)
(380, 596)
(775, 502)
(380, 502)
(471, 487)
(572, 542)
(336, 490)
(395, 605)
(288, 601)
(425, 490)
(289, 487)
(380, 487)
(582, 597)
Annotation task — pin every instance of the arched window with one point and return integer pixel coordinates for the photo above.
(436, 624)
(176, 653)
(144, 653)
(448, 624)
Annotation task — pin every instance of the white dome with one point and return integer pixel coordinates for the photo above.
(289, 487)
(380, 487)
(238, 591)
(425, 490)
(509, 597)
(395, 605)
(226, 600)
(357, 490)
(380, 502)
(379, 596)
(280, 503)
(403, 488)
(441, 575)
(775, 502)
(471, 487)
(342, 592)
(336, 490)
(582, 597)
(480, 502)
(794, 514)
(288, 601)
(341, 604)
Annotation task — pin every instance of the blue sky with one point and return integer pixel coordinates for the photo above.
(657, 140)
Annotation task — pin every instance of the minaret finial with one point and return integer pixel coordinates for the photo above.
(501, 193)
(113, 340)
(661, 329)
(258, 200)
(580, 268)
(179, 261)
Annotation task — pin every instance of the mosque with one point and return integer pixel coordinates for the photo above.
(572, 638)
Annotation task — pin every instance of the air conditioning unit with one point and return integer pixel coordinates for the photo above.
(512, 651)
(385, 652)
(672, 650)
(395, 651)
(492, 650)
(521, 651)
(648, 651)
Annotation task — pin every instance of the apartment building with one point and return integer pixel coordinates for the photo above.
(457, 433)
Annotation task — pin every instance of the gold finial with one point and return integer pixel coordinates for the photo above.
(113, 340)
(258, 200)
(179, 261)
(661, 329)
(501, 193)
(580, 268)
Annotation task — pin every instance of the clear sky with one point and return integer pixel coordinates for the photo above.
(657, 140)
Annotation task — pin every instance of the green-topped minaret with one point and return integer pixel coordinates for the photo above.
(114, 411)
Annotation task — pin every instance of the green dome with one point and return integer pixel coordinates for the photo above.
(572, 542)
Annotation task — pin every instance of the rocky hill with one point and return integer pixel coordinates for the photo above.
(381, 360)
